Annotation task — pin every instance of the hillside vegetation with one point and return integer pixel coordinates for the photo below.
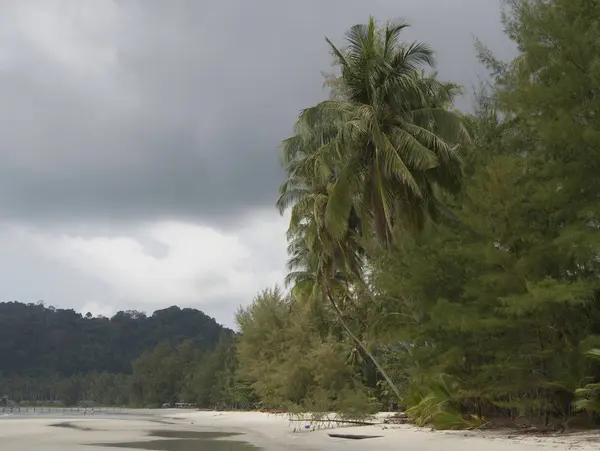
(49, 354)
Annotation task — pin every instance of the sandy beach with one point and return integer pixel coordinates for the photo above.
(265, 431)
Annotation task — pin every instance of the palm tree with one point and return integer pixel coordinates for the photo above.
(388, 142)
(323, 269)
(366, 161)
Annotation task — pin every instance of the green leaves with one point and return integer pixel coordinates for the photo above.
(438, 407)
(390, 129)
(291, 355)
(593, 353)
(588, 397)
(481, 231)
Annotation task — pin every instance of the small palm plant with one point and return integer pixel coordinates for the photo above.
(588, 397)
(439, 407)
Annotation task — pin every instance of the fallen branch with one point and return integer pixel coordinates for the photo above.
(335, 420)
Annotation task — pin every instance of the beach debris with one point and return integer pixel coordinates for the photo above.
(397, 418)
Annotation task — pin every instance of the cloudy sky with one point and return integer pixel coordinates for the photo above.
(139, 138)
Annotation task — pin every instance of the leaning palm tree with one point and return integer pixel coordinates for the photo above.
(388, 141)
(368, 160)
(323, 269)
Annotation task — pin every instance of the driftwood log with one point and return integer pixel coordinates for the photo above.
(353, 436)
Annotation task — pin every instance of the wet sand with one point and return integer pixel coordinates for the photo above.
(174, 430)
(101, 433)
(186, 440)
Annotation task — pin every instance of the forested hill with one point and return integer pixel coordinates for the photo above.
(39, 340)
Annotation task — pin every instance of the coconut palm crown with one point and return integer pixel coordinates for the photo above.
(384, 146)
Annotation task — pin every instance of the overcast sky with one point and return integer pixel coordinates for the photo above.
(139, 138)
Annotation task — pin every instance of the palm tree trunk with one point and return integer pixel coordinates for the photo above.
(362, 345)
(382, 229)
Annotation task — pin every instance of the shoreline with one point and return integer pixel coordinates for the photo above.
(265, 430)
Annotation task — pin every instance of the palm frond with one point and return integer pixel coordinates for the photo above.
(392, 34)
(380, 149)
(593, 353)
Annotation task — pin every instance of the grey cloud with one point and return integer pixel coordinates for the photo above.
(28, 276)
(179, 115)
(172, 109)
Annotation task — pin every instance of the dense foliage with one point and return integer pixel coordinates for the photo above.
(294, 356)
(446, 261)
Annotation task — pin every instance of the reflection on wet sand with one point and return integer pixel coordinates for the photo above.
(186, 441)
(70, 425)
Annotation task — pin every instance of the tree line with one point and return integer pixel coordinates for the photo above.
(443, 260)
(50, 355)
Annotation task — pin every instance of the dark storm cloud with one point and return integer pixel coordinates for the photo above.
(175, 109)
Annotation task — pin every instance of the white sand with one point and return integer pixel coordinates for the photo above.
(273, 432)
(277, 432)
